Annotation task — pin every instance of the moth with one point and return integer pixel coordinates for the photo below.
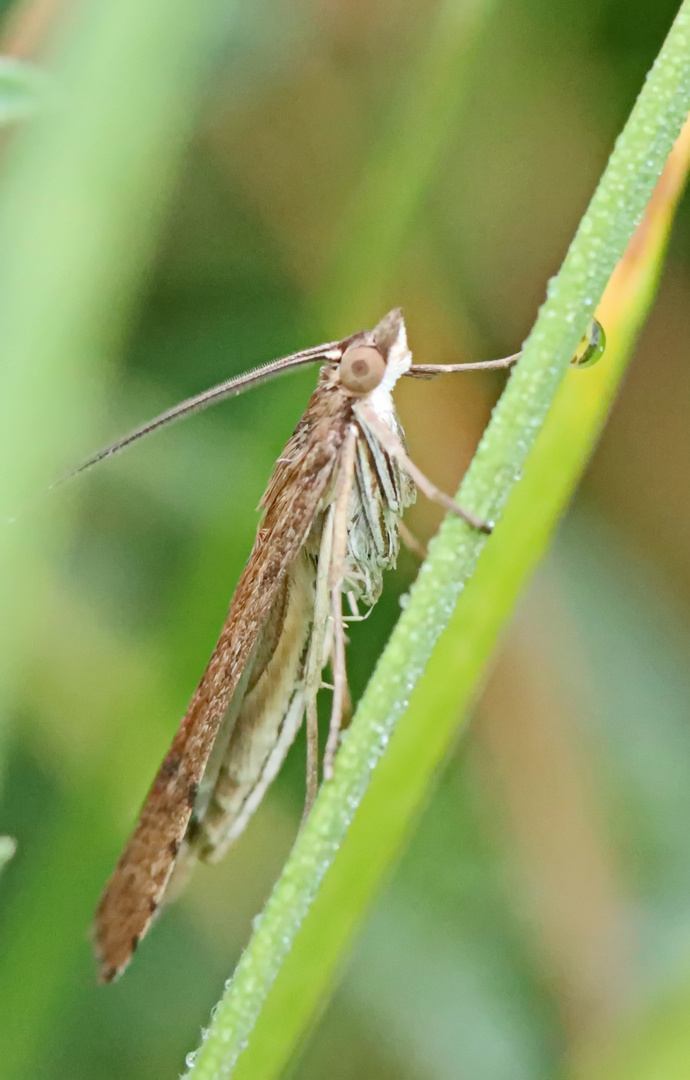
(330, 527)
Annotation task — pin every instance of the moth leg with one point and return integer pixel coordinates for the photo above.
(429, 371)
(312, 786)
(315, 658)
(355, 615)
(394, 448)
(410, 541)
(341, 703)
(341, 506)
(590, 349)
(347, 708)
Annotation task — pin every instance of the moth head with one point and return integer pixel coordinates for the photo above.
(377, 356)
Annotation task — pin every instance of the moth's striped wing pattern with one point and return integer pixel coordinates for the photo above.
(290, 504)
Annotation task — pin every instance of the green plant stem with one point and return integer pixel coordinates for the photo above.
(600, 242)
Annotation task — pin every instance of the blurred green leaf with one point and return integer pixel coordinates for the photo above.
(23, 90)
(8, 846)
(403, 163)
(84, 185)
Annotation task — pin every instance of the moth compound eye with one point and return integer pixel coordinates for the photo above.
(362, 368)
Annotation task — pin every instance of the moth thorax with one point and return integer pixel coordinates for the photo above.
(362, 368)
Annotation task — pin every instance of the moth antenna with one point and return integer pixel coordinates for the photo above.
(230, 388)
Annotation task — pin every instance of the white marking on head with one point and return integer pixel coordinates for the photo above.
(391, 338)
(399, 358)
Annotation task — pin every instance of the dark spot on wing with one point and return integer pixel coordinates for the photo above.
(171, 766)
(193, 830)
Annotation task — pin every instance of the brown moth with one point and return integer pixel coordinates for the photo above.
(330, 527)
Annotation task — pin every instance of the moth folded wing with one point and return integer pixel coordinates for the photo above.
(137, 886)
(291, 504)
(139, 881)
(267, 722)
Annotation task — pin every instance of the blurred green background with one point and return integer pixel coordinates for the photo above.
(543, 907)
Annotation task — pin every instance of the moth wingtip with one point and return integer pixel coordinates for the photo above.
(109, 973)
(113, 956)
